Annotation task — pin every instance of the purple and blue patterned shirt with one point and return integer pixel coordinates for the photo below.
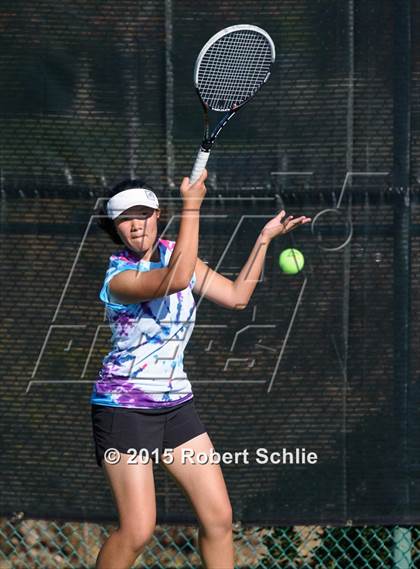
(144, 369)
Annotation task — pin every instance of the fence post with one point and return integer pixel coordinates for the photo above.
(401, 551)
(402, 266)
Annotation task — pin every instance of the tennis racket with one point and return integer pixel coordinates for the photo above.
(230, 69)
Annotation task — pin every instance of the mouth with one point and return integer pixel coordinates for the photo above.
(137, 236)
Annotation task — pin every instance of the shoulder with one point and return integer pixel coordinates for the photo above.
(119, 261)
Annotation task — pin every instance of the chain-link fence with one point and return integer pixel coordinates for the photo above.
(41, 544)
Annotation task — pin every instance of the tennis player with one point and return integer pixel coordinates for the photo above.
(142, 399)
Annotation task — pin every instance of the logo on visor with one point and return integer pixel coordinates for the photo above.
(150, 195)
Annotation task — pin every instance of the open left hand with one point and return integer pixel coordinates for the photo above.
(279, 226)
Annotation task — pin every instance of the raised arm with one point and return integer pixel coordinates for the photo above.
(137, 286)
(184, 256)
(236, 294)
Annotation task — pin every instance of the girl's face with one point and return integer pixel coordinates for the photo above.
(137, 227)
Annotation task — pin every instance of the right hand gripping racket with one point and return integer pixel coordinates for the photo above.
(230, 69)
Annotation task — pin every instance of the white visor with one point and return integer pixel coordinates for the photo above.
(127, 198)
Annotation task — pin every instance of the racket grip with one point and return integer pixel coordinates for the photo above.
(199, 165)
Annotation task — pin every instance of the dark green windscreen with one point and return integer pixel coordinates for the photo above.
(94, 92)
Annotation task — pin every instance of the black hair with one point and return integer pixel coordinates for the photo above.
(103, 220)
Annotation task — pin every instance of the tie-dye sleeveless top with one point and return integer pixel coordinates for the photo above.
(144, 369)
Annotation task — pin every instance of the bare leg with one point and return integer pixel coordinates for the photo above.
(204, 486)
(133, 489)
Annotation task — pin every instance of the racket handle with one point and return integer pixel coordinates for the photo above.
(199, 165)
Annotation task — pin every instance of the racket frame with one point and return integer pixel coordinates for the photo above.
(209, 139)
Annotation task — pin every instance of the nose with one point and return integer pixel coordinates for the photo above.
(138, 225)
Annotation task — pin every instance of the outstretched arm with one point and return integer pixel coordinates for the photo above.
(236, 294)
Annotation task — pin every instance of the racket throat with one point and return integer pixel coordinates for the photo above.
(220, 126)
(207, 139)
(206, 145)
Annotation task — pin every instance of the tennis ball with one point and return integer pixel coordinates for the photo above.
(291, 261)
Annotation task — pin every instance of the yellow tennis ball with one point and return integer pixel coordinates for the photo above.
(291, 261)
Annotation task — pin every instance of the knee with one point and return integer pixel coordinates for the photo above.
(137, 538)
(219, 521)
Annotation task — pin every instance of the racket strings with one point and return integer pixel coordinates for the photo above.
(233, 69)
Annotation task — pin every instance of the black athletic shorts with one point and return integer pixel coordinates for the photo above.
(122, 429)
